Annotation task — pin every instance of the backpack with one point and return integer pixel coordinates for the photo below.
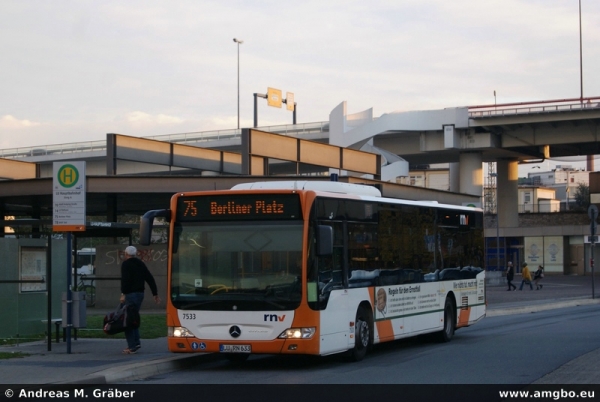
(126, 316)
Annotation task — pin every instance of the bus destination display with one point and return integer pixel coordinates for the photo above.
(238, 207)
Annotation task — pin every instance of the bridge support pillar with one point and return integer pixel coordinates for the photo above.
(508, 193)
(471, 173)
(454, 177)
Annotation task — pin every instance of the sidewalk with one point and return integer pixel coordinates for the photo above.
(100, 361)
(91, 361)
(558, 291)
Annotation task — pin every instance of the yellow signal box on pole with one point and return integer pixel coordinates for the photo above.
(274, 97)
(289, 100)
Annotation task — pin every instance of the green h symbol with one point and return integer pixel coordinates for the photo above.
(68, 175)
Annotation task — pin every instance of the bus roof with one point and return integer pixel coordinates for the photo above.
(324, 186)
(365, 192)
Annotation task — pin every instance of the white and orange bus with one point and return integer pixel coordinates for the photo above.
(316, 268)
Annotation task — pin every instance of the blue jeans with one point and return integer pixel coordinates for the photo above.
(133, 335)
(523, 282)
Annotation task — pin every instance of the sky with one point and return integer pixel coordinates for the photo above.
(72, 71)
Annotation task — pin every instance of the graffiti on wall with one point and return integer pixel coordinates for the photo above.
(116, 256)
(109, 259)
(108, 266)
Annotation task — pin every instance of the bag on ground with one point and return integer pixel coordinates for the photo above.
(124, 317)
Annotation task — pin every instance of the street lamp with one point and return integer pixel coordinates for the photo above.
(239, 42)
(580, 57)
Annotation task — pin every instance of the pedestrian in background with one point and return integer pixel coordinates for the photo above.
(526, 275)
(510, 275)
(133, 275)
(537, 277)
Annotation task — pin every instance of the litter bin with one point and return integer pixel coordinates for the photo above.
(78, 311)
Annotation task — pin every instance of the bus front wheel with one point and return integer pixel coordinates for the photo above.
(362, 334)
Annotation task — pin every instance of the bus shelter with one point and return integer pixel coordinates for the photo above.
(35, 273)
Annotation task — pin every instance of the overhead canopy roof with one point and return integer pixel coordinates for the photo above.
(135, 195)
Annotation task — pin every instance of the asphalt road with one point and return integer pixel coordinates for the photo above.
(512, 349)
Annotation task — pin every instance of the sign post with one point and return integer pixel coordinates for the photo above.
(274, 98)
(68, 215)
(593, 215)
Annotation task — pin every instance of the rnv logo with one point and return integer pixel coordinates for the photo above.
(274, 317)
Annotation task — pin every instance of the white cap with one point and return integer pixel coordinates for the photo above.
(130, 250)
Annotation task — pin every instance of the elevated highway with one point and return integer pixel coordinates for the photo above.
(523, 131)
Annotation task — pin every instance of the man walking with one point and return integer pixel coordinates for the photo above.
(510, 274)
(133, 275)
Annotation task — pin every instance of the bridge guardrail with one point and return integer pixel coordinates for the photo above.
(551, 106)
(181, 138)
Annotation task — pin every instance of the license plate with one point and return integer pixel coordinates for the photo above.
(235, 348)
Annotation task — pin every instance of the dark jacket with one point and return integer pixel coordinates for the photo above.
(133, 275)
(510, 273)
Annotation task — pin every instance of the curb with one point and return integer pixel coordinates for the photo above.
(136, 371)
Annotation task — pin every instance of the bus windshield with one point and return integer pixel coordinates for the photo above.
(242, 266)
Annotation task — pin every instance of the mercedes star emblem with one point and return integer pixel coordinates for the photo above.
(235, 331)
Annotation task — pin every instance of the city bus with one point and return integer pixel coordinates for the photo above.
(317, 268)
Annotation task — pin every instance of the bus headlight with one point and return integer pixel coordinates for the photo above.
(179, 332)
(298, 333)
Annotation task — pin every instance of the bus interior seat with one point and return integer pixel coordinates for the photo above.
(432, 276)
(362, 278)
(389, 277)
(470, 272)
(450, 274)
(466, 274)
(413, 276)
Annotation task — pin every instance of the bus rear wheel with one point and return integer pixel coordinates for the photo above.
(446, 334)
(362, 334)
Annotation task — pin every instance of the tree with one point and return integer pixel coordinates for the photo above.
(582, 195)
